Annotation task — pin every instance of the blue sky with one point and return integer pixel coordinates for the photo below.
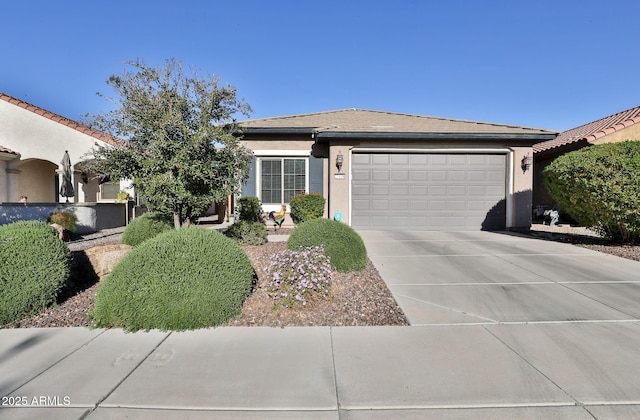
(553, 64)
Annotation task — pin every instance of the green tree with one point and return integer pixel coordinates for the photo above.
(176, 135)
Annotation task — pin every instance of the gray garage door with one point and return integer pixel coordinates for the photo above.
(432, 191)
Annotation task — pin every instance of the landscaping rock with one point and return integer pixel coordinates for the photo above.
(103, 258)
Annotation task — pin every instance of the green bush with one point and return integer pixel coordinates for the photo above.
(599, 187)
(145, 227)
(341, 243)
(34, 266)
(65, 219)
(248, 233)
(250, 209)
(307, 207)
(182, 279)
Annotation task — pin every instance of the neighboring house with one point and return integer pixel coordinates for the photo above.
(618, 127)
(383, 170)
(33, 142)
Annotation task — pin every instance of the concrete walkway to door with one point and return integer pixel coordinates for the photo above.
(498, 277)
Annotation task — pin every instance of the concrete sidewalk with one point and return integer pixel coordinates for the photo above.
(503, 327)
(478, 371)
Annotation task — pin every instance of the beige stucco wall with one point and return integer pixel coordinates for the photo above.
(337, 189)
(628, 133)
(519, 199)
(31, 183)
(37, 138)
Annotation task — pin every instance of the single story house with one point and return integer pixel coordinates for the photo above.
(618, 127)
(33, 142)
(385, 170)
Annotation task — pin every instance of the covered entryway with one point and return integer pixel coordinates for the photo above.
(429, 191)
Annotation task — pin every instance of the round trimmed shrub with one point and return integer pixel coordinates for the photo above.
(599, 187)
(35, 264)
(182, 279)
(145, 227)
(248, 233)
(341, 243)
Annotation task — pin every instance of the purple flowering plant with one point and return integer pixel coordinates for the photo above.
(297, 276)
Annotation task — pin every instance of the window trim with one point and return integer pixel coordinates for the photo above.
(282, 155)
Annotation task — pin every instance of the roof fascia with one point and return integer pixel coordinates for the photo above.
(438, 136)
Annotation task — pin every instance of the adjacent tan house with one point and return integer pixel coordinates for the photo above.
(618, 127)
(33, 142)
(384, 170)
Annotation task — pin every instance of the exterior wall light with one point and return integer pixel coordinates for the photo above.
(339, 161)
(526, 163)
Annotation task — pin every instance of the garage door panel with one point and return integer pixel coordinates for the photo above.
(361, 159)
(418, 190)
(456, 190)
(418, 205)
(400, 204)
(361, 205)
(419, 176)
(362, 190)
(429, 191)
(457, 175)
(380, 205)
(399, 190)
(400, 175)
(497, 176)
(380, 189)
(456, 205)
(418, 159)
(378, 175)
(496, 191)
(380, 159)
(361, 175)
(399, 159)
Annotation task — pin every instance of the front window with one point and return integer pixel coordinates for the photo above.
(282, 179)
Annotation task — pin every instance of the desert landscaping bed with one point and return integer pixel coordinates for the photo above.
(359, 298)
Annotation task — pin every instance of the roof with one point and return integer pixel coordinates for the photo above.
(593, 130)
(353, 121)
(7, 150)
(59, 119)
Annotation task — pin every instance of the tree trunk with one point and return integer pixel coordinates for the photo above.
(176, 219)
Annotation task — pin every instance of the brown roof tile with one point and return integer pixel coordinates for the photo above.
(379, 122)
(60, 119)
(593, 130)
(7, 150)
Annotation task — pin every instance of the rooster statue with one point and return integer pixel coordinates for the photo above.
(278, 218)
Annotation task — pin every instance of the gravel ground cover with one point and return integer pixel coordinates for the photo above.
(360, 298)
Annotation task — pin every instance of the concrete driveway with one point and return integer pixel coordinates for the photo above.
(497, 277)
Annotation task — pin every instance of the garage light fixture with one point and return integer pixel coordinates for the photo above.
(339, 161)
(527, 161)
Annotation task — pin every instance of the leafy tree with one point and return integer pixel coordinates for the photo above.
(176, 136)
(599, 187)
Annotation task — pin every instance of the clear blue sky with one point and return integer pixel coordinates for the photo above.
(552, 64)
